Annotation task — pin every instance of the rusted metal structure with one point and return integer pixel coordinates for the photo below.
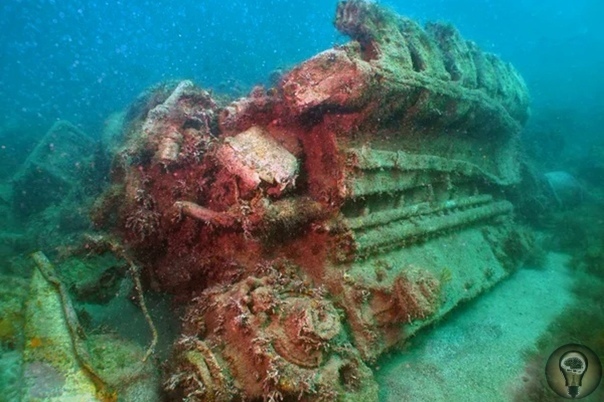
(312, 226)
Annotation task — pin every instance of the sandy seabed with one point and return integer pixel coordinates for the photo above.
(476, 354)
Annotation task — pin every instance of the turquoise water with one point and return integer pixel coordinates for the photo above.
(79, 183)
(82, 62)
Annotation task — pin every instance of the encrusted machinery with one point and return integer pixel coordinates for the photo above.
(313, 226)
(268, 337)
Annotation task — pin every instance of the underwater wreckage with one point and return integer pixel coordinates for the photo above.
(311, 227)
